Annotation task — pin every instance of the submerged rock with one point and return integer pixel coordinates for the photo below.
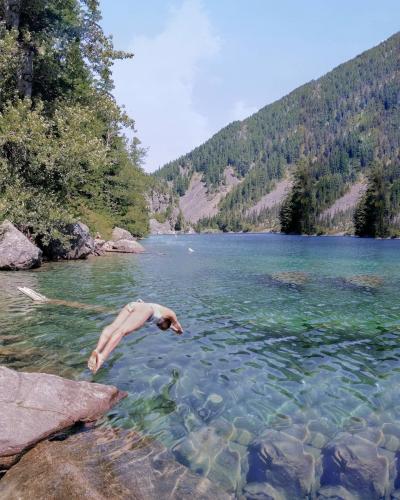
(16, 251)
(278, 462)
(365, 281)
(336, 493)
(262, 491)
(123, 246)
(211, 455)
(291, 278)
(353, 464)
(121, 234)
(104, 464)
(80, 244)
(36, 405)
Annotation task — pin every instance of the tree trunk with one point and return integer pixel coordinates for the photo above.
(12, 13)
(26, 77)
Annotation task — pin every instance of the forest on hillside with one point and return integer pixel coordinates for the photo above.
(326, 133)
(63, 155)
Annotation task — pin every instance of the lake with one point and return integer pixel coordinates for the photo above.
(281, 332)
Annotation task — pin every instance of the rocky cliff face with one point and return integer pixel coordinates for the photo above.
(199, 202)
(165, 211)
(158, 201)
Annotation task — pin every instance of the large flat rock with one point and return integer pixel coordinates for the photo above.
(104, 464)
(36, 405)
(123, 246)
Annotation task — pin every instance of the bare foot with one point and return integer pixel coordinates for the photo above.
(92, 362)
(99, 363)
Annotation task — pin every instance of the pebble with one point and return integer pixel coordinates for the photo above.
(215, 398)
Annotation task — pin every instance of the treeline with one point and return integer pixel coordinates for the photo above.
(378, 211)
(375, 215)
(62, 152)
(328, 131)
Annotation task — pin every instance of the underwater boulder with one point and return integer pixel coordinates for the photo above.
(278, 461)
(104, 464)
(296, 278)
(367, 281)
(353, 463)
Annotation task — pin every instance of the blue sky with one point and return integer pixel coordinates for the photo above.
(200, 64)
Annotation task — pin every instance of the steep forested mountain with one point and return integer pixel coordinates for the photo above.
(327, 140)
(62, 152)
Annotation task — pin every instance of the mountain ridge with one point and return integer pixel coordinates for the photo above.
(336, 128)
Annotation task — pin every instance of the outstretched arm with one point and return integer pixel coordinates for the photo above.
(175, 325)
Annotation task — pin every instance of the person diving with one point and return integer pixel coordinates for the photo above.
(131, 317)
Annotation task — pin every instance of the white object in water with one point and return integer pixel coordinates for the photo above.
(37, 297)
(190, 250)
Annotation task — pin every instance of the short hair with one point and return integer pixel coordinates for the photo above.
(164, 323)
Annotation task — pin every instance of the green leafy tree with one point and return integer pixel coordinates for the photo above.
(63, 155)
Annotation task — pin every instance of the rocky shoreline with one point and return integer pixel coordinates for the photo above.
(36, 461)
(18, 252)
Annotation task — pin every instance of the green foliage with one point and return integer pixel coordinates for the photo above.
(62, 152)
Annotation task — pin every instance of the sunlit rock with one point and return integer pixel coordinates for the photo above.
(123, 246)
(36, 405)
(16, 251)
(99, 247)
(121, 234)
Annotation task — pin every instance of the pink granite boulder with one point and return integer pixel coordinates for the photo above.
(36, 405)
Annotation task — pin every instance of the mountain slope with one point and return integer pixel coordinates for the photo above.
(336, 127)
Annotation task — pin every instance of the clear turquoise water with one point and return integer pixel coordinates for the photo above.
(256, 353)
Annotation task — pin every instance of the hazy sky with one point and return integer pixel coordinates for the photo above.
(200, 64)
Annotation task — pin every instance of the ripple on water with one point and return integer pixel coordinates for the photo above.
(298, 336)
